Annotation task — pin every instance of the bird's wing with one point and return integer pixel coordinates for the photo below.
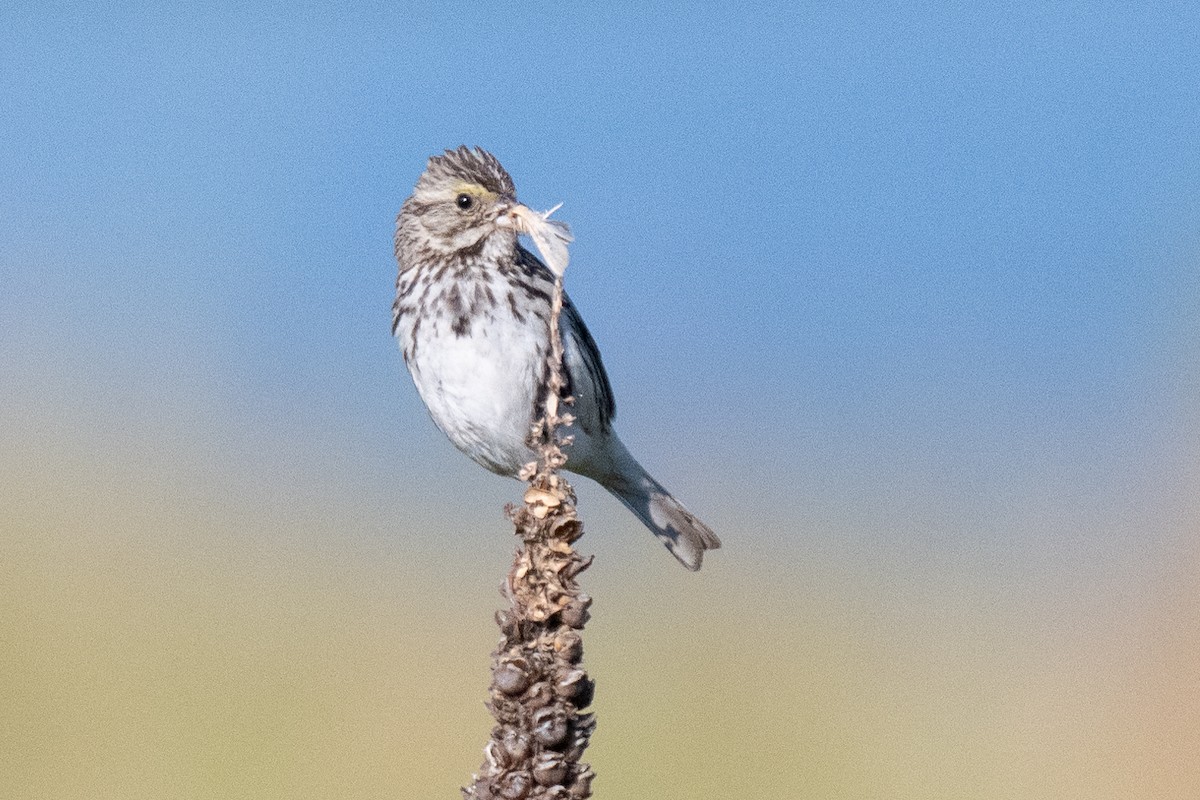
(586, 378)
(584, 365)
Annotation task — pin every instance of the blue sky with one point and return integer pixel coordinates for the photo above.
(840, 249)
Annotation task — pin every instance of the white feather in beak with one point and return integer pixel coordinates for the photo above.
(550, 236)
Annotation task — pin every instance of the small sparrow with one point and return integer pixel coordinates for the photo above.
(472, 316)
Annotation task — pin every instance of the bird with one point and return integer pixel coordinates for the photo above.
(471, 317)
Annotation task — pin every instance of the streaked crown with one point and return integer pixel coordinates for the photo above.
(467, 165)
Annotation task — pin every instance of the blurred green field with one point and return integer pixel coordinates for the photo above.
(156, 641)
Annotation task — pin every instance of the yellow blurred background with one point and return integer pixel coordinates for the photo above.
(173, 626)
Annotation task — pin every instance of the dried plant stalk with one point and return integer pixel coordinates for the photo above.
(539, 687)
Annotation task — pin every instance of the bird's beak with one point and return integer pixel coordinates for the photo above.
(511, 216)
(550, 236)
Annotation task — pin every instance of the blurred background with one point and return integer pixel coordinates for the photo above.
(902, 302)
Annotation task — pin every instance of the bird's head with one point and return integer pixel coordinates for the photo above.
(463, 198)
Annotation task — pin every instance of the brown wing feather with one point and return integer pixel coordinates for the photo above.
(577, 337)
(577, 331)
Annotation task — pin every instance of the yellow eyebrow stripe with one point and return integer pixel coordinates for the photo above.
(474, 189)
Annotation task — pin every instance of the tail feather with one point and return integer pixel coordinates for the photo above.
(684, 535)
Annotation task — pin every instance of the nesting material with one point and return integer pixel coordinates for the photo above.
(550, 236)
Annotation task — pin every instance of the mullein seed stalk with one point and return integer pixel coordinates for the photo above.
(539, 690)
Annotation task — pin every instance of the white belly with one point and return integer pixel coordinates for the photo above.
(479, 388)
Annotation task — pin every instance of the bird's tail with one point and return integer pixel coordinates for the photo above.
(684, 535)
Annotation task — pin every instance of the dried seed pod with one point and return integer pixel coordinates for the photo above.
(512, 676)
(549, 768)
(537, 610)
(581, 734)
(515, 786)
(581, 787)
(550, 726)
(568, 528)
(508, 624)
(585, 693)
(539, 695)
(495, 756)
(516, 744)
(569, 646)
(569, 683)
(576, 615)
(505, 712)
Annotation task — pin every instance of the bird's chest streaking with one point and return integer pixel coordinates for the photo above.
(476, 348)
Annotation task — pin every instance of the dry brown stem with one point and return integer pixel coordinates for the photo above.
(539, 688)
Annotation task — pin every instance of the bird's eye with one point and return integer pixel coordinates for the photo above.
(464, 201)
